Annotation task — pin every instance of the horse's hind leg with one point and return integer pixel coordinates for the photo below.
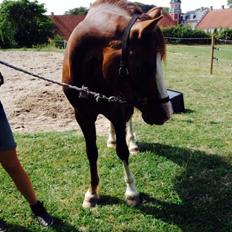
(131, 194)
(130, 138)
(89, 131)
(111, 141)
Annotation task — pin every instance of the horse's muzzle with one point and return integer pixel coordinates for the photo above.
(158, 115)
(157, 120)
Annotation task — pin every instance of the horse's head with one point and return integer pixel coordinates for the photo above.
(141, 63)
(145, 51)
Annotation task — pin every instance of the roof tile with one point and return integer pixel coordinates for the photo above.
(65, 24)
(217, 19)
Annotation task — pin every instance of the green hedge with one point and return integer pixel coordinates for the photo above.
(186, 35)
(224, 35)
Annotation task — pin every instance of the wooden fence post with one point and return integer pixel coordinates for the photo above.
(212, 52)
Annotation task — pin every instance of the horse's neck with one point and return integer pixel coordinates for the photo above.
(107, 8)
(107, 18)
(120, 3)
(106, 22)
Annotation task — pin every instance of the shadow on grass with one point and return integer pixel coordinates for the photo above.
(189, 111)
(58, 226)
(17, 228)
(61, 226)
(109, 200)
(205, 188)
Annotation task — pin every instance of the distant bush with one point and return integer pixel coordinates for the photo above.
(58, 42)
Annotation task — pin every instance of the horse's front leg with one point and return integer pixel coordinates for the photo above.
(131, 194)
(89, 131)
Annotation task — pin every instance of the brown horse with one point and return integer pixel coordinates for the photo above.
(98, 58)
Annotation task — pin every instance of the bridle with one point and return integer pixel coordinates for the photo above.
(123, 68)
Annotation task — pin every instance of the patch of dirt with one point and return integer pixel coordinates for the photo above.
(33, 105)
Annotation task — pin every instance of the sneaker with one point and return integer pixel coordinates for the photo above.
(39, 211)
(2, 226)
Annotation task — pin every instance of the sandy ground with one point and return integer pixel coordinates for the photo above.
(34, 105)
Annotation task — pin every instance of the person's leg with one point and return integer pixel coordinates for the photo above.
(11, 164)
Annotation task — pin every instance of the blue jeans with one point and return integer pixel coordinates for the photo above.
(7, 141)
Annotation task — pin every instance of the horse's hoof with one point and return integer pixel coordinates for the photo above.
(111, 144)
(134, 151)
(89, 204)
(133, 200)
(90, 200)
(133, 147)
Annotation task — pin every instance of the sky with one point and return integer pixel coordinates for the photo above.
(59, 7)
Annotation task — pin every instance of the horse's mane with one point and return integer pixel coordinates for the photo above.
(161, 44)
(130, 7)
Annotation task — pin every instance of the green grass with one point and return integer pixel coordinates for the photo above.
(184, 170)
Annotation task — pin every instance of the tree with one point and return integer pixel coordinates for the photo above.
(229, 3)
(144, 7)
(166, 10)
(23, 24)
(77, 11)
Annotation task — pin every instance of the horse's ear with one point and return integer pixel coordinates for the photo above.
(155, 12)
(141, 27)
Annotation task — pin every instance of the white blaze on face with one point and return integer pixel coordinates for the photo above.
(161, 86)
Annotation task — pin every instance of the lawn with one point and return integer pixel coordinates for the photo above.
(184, 170)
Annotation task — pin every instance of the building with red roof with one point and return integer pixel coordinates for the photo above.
(65, 24)
(216, 19)
(167, 21)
